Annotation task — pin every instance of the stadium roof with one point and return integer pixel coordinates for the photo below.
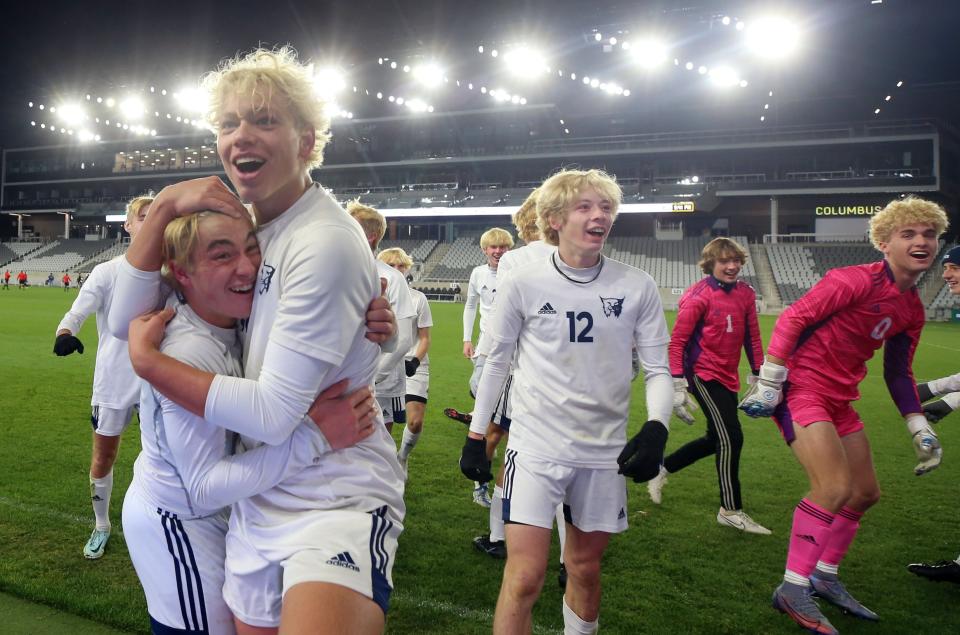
(669, 65)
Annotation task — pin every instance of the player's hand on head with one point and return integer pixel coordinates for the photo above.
(642, 456)
(197, 195)
(344, 419)
(926, 445)
(66, 344)
(936, 410)
(381, 321)
(145, 335)
(764, 394)
(474, 463)
(683, 403)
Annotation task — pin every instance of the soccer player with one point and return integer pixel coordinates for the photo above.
(391, 377)
(822, 342)
(22, 280)
(481, 293)
(6, 280)
(416, 361)
(116, 388)
(316, 551)
(66, 281)
(175, 511)
(948, 389)
(716, 317)
(572, 319)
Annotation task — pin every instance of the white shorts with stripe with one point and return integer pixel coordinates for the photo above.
(348, 548)
(180, 566)
(393, 409)
(502, 413)
(419, 384)
(110, 422)
(593, 499)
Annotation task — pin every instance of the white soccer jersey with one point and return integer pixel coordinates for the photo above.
(424, 320)
(573, 334)
(393, 384)
(481, 290)
(185, 465)
(533, 250)
(115, 385)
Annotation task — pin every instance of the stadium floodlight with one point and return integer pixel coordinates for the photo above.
(191, 99)
(526, 62)
(417, 105)
(329, 81)
(132, 107)
(649, 53)
(773, 37)
(724, 76)
(70, 113)
(430, 75)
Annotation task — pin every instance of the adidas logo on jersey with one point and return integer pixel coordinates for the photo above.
(546, 309)
(345, 560)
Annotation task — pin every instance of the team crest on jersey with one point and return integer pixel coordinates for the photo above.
(266, 276)
(612, 306)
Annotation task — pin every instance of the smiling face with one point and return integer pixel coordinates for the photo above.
(910, 251)
(583, 232)
(218, 283)
(951, 275)
(493, 254)
(264, 153)
(727, 268)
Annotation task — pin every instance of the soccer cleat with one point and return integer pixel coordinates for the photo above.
(835, 593)
(798, 603)
(481, 496)
(96, 544)
(655, 485)
(740, 520)
(562, 576)
(464, 418)
(940, 571)
(493, 548)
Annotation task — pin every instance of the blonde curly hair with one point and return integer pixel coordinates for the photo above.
(910, 210)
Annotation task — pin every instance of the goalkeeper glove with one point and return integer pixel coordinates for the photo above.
(925, 444)
(936, 410)
(411, 366)
(764, 395)
(473, 461)
(924, 391)
(683, 403)
(642, 456)
(66, 344)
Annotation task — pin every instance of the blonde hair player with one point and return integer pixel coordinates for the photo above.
(568, 430)
(416, 361)
(316, 551)
(116, 388)
(822, 342)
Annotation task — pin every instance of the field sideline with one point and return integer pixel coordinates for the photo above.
(674, 571)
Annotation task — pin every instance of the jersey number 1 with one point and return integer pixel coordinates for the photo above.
(582, 336)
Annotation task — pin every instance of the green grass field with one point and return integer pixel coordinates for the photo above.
(674, 571)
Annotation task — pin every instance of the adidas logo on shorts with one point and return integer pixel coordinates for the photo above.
(546, 309)
(345, 560)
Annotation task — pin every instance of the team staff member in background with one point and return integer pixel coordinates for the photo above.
(116, 389)
(716, 317)
(822, 343)
(572, 319)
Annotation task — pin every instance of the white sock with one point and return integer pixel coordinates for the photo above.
(561, 530)
(100, 490)
(496, 515)
(573, 625)
(408, 442)
(829, 569)
(795, 578)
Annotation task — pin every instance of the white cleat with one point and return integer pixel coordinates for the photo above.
(96, 544)
(740, 520)
(655, 485)
(481, 496)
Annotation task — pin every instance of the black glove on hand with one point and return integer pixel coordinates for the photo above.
(473, 461)
(411, 366)
(936, 410)
(642, 456)
(925, 393)
(66, 344)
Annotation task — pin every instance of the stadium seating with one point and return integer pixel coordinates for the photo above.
(464, 254)
(63, 255)
(797, 267)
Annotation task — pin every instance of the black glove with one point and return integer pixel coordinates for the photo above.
(66, 344)
(925, 393)
(473, 461)
(642, 456)
(936, 410)
(411, 365)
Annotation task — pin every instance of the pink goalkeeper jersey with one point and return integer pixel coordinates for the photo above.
(828, 335)
(714, 321)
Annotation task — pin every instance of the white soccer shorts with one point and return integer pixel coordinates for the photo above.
(180, 565)
(594, 499)
(419, 384)
(352, 549)
(393, 409)
(110, 422)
